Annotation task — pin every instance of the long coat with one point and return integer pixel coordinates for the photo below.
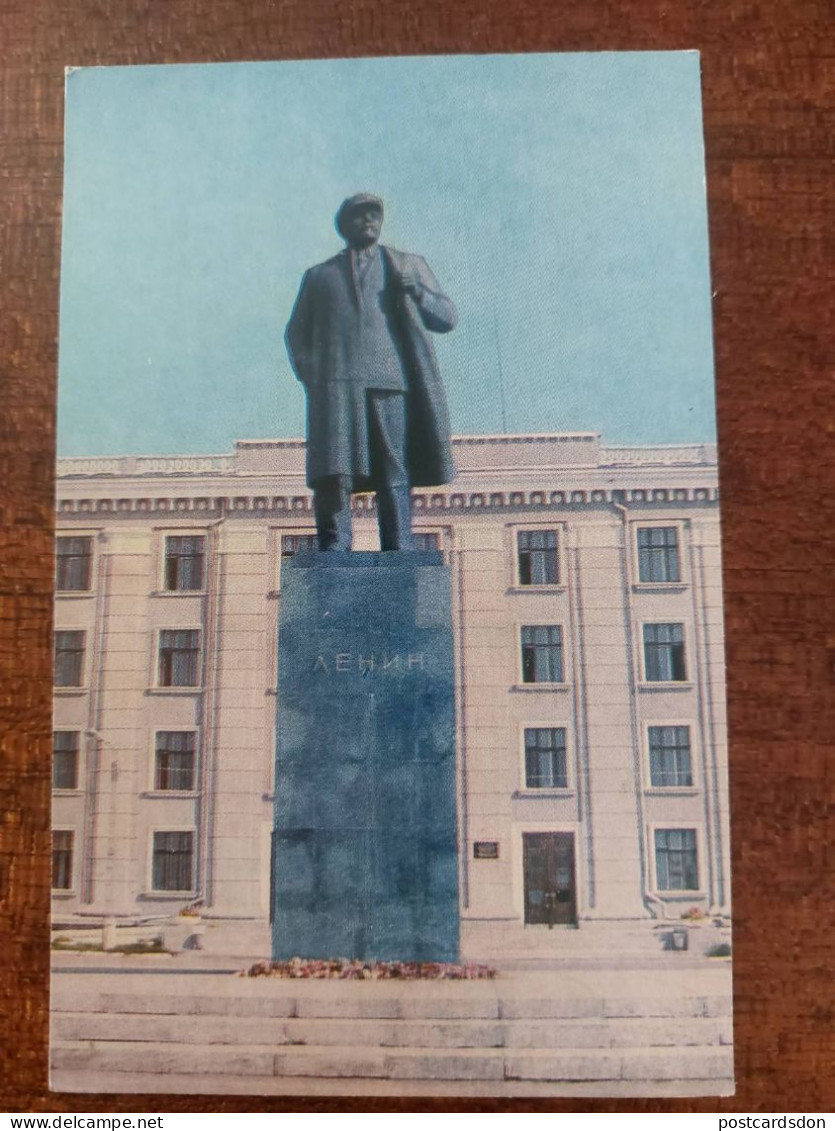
(318, 339)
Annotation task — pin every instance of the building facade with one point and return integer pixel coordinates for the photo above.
(592, 775)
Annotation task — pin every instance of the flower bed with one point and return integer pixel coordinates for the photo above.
(356, 970)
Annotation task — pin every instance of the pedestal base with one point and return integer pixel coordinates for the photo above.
(364, 851)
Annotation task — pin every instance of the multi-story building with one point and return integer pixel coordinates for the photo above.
(590, 677)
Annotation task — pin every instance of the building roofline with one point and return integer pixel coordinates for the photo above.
(174, 462)
(530, 471)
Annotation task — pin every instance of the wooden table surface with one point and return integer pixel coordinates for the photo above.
(768, 75)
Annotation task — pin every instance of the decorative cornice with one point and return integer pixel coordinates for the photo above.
(436, 502)
(218, 486)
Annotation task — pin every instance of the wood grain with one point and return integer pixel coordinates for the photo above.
(768, 91)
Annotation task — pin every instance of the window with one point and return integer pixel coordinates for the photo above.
(69, 658)
(537, 557)
(173, 863)
(676, 860)
(184, 563)
(73, 559)
(545, 760)
(62, 846)
(542, 654)
(430, 541)
(174, 760)
(669, 756)
(658, 554)
(65, 759)
(293, 543)
(664, 653)
(179, 654)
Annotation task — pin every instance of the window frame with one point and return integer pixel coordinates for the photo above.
(520, 659)
(82, 665)
(89, 589)
(646, 682)
(679, 790)
(307, 534)
(516, 583)
(70, 889)
(178, 688)
(168, 557)
(275, 558)
(62, 789)
(171, 893)
(699, 892)
(435, 532)
(680, 527)
(161, 535)
(546, 790)
(154, 789)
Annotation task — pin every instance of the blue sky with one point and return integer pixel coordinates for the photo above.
(559, 199)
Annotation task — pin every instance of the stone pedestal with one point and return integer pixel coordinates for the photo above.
(364, 850)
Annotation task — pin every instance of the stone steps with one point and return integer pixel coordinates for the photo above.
(466, 1034)
(512, 1036)
(259, 999)
(349, 1061)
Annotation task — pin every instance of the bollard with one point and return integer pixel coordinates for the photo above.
(681, 938)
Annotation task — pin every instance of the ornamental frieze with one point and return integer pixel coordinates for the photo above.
(435, 502)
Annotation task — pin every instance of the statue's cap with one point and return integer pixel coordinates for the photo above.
(357, 201)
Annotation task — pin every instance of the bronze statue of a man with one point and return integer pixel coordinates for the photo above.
(377, 418)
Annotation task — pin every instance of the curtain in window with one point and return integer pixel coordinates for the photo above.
(538, 563)
(65, 759)
(72, 564)
(542, 654)
(669, 756)
(174, 760)
(664, 653)
(62, 843)
(178, 655)
(675, 860)
(173, 861)
(658, 554)
(545, 761)
(184, 562)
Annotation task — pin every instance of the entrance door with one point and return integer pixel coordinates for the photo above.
(550, 892)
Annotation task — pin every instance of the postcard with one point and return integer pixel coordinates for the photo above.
(389, 747)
